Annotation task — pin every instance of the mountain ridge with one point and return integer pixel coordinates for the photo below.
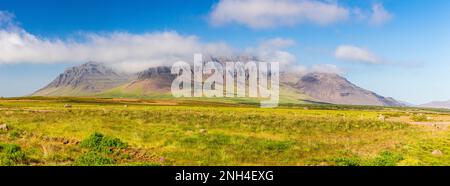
(437, 104)
(332, 88)
(90, 77)
(98, 80)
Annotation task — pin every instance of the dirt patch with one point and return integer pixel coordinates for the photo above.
(141, 155)
(62, 140)
(28, 110)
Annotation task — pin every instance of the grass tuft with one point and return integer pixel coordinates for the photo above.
(11, 154)
(93, 158)
(100, 143)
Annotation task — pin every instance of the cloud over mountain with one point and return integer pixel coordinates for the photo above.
(356, 54)
(327, 68)
(123, 50)
(273, 50)
(120, 49)
(130, 52)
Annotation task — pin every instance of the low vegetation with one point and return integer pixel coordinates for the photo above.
(419, 117)
(91, 131)
(11, 154)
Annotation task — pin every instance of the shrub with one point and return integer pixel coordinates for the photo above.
(100, 143)
(12, 155)
(99, 147)
(347, 161)
(419, 117)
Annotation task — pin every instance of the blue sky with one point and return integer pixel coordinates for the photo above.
(397, 48)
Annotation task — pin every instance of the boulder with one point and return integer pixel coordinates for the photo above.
(436, 153)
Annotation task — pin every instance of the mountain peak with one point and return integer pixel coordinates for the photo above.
(89, 77)
(90, 68)
(155, 72)
(333, 88)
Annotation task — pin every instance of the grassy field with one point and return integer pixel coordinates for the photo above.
(91, 131)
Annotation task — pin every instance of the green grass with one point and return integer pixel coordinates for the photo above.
(192, 132)
(93, 158)
(99, 143)
(11, 154)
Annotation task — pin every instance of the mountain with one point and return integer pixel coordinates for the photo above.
(94, 79)
(85, 79)
(437, 104)
(332, 88)
(157, 81)
(153, 81)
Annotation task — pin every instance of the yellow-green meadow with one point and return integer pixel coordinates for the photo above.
(94, 131)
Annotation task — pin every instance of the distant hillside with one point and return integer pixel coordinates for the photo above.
(94, 79)
(332, 88)
(437, 104)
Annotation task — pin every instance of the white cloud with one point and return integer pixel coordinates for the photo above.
(277, 43)
(125, 51)
(271, 13)
(327, 68)
(379, 15)
(361, 55)
(297, 69)
(321, 68)
(358, 14)
(356, 54)
(129, 51)
(272, 50)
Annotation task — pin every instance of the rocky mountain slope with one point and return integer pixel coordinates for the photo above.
(156, 80)
(332, 88)
(96, 79)
(85, 79)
